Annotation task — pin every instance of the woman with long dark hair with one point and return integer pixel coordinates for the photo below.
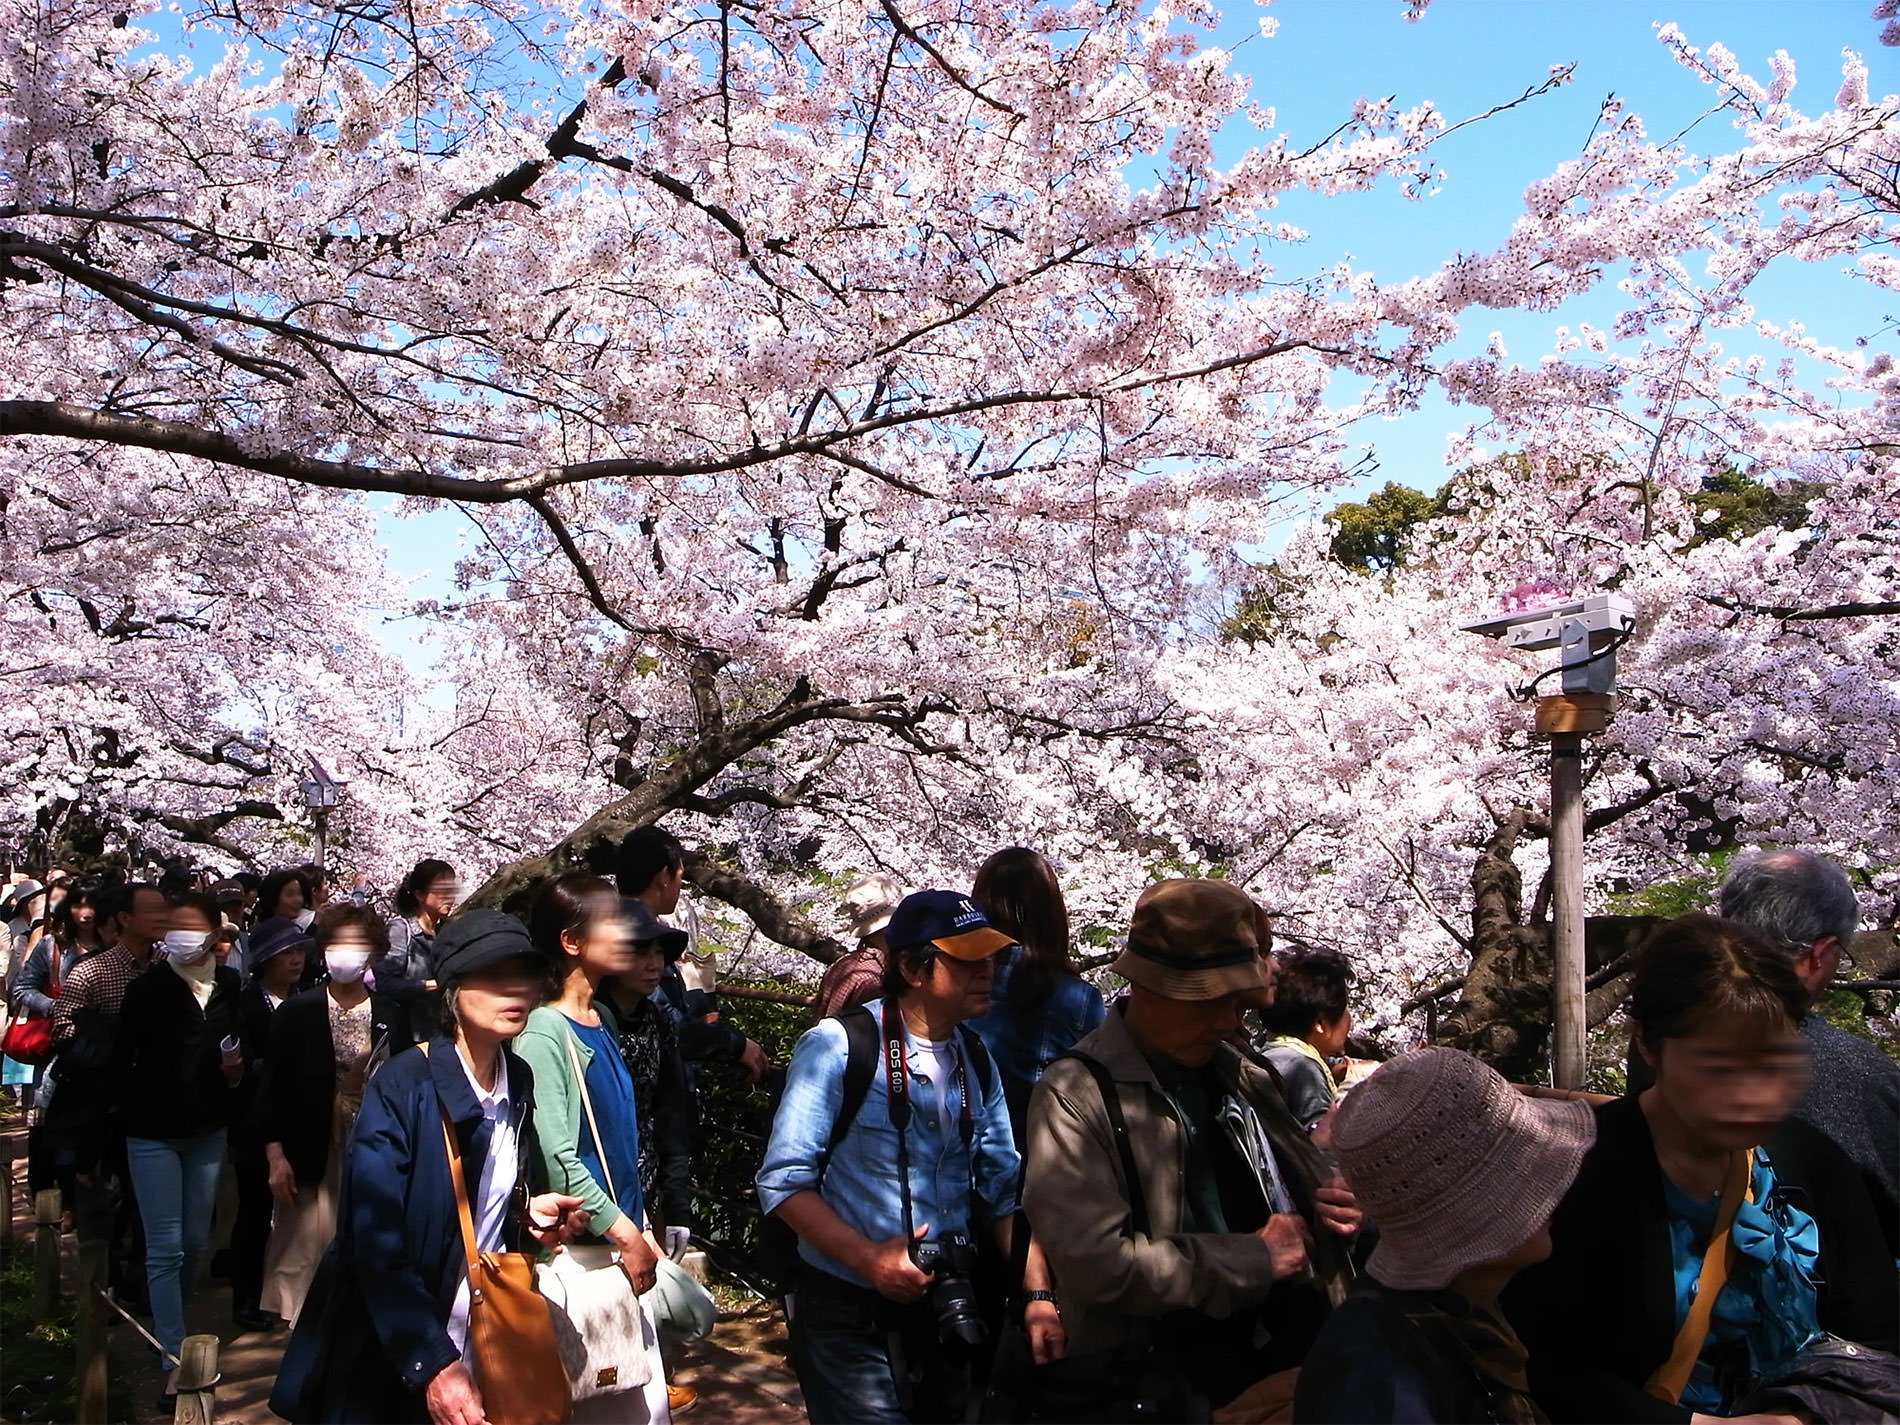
(287, 893)
(1709, 1239)
(1040, 1005)
(423, 901)
(585, 1120)
(73, 933)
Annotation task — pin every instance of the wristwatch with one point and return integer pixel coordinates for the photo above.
(1047, 1296)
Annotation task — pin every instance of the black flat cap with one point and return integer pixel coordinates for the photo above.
(477, 938)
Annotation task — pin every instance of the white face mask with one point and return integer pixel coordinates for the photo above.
(304, 917)
(186, 947)
(346, 966)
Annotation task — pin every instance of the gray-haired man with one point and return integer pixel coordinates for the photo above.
(1805, 904)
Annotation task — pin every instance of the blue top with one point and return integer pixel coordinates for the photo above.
(610, 1087)
(1024, 1047)
(1768, 1302)
(860, 1183)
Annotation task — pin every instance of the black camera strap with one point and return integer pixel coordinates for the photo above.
(897, 1095)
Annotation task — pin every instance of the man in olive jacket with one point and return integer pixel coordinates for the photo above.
(1228, 1253)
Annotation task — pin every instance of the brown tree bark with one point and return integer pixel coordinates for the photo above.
(1503, 1010)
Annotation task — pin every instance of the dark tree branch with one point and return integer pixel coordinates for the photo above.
(776, 920)
(1794, 613)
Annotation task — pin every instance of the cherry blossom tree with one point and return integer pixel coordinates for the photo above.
(179, 643)
(860, 403)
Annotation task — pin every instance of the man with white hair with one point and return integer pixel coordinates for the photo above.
(1806, 905)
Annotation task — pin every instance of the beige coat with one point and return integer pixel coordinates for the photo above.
(1078, 1202)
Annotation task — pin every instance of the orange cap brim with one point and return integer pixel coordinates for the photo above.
(978, 944)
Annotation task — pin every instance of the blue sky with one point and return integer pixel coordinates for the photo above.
(1465, 56)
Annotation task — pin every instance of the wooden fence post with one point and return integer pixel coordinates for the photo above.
(46, 1254)
(6, 1193)
(197, 1382)
(89, 1379)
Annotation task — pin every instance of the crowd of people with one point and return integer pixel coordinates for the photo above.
(1007, 1198)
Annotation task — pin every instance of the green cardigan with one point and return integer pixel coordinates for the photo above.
(558, 1116)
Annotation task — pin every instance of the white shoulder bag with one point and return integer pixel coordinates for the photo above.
(606, 1340)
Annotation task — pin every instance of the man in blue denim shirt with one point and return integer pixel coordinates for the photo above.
(864, 1334)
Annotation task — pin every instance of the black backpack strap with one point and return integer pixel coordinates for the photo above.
(982, 1066)
(862, 1052)
(1118, 1122)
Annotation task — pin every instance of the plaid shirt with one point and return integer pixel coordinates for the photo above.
(96, 982)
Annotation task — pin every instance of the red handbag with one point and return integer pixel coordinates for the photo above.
(29, 1038)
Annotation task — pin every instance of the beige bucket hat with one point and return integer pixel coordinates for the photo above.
(868, 902)
(1453, 1165)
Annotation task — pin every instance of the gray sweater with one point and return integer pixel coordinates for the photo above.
(1854, 1098)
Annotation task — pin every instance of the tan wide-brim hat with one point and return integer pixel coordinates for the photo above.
(1452, 1164)
(1193, 940)
(869, 901)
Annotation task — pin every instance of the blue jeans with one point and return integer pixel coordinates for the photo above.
(843, 1340)
(176, 1182)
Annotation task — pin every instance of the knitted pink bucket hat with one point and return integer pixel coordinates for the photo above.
(1452, 1164)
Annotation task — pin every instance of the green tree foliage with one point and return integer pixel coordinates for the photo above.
(1373, 536)
(1744, 507)
(1262, 608)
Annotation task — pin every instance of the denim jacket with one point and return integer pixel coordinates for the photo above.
(860, 1182)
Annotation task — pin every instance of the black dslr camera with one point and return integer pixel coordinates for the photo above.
(952, 1262)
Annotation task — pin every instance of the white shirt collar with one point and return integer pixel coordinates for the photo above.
(494, 1101)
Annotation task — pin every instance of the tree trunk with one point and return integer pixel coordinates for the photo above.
(1503, 1013)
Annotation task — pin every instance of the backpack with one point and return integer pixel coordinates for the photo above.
(777, 1259)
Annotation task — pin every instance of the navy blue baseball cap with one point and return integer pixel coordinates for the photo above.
(949, 920)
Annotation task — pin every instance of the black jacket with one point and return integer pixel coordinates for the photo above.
(1382, 1356)
(254, 1016)
(166, 1066)
(1599, 1315)
(298, 1097)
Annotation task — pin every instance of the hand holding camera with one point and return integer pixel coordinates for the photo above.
(893, 1272)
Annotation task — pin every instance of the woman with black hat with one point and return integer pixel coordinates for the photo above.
(384, 1333)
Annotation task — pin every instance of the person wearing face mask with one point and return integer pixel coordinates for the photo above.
(279, 952)
(175, 1063)
(323, 1046)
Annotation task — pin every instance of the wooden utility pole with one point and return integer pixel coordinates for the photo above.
(1566, 910)
(1568, 719)
(1587, 632)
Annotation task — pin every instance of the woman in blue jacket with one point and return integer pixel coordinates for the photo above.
(1040, 1006)
(383, 1334)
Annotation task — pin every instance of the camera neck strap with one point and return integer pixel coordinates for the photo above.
(897, 1098)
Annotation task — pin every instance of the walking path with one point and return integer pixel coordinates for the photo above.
(740, 1372)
